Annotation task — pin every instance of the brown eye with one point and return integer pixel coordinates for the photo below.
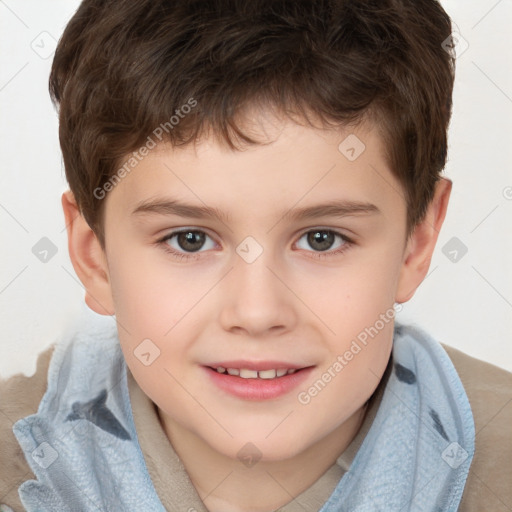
(321, 240)
(191, 241)
(188, 241)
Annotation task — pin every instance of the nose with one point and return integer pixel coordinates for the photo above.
(257, 300)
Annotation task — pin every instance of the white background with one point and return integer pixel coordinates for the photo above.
(467, 304)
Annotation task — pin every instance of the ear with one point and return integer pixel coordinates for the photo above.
(421, 243)
(88, 258)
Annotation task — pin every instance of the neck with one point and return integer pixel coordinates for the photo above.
(226, 485)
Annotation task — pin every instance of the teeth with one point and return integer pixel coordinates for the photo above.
(254, 374)
(248, 374)
(267, 374)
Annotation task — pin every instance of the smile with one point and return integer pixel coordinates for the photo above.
(257, 384)
(244, 373)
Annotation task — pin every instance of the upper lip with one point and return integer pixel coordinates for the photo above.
(257, 365)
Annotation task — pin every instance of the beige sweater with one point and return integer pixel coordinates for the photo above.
(488, 488)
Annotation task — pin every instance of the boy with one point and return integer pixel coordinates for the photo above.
(255, 190)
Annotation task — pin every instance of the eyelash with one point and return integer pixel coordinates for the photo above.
(348, 243)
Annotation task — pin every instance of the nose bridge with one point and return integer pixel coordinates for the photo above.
(256, 300)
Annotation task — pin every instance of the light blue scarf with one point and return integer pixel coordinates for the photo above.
(82, 444)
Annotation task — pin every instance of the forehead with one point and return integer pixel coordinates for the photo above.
(294, 165)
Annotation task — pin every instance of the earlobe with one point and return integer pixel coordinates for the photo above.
(88, 258)
(422, 242)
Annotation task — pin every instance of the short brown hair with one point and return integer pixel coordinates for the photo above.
(123, 68)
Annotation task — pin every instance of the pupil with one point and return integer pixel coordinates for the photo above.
(324, 239)
(191, 240)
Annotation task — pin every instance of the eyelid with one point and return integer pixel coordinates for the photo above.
(348, 238)
(184, 229)
(338, 231)
(348, 242)
(298, 235)
(177, 231)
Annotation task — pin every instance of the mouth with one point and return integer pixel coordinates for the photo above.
(246, 373)
(257, 381)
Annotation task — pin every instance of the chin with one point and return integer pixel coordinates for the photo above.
(256, 445)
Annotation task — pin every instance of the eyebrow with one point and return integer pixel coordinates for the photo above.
(338, 208)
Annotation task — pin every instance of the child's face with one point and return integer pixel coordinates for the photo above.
(258, 290)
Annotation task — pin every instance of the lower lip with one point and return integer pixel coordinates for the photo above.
(258, 389)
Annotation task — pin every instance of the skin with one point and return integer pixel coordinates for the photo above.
(289, 304)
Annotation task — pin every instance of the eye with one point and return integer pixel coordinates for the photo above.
(187, 241)
(322, 240)
(183, 244)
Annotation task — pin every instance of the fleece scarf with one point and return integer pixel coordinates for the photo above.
(82, 444)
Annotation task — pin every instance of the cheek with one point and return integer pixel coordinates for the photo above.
(356, 305)
(337, 393)
(369, 331)
(353, 295)
(357, 355)
(150, 294)
(151, 304)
